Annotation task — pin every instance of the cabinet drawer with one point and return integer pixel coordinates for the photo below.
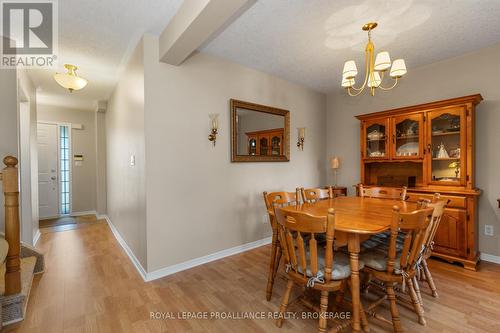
(457, 202)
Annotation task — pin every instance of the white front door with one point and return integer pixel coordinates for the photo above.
(48, 185)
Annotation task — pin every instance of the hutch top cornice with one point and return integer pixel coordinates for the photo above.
(473, 99)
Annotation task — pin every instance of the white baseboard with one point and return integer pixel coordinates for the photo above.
(128, 251)
(36, 237)
(162, 272)
(90, 212)
(490, 258)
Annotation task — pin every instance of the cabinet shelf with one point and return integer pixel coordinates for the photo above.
(375, 140)
(446, 133)
(407, 137)
(446, 159)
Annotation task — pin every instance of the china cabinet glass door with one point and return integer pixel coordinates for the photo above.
(252, 146)
(407, 138)
(447, 146)
(263, 145)
(276, 145)
(375, 137)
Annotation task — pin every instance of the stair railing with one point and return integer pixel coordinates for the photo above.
(10, 180)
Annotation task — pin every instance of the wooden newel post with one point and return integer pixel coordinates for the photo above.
(12, 231)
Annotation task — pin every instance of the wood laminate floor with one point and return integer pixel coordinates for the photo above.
(91, 286)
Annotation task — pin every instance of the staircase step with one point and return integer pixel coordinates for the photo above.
(31, 251)
(14, 306)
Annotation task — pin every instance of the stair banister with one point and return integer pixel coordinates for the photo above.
(9, 177)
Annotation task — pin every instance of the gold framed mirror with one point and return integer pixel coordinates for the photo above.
(259, 133)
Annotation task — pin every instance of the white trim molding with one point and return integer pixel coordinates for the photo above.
(90, 212)
(169, 270)
(128, 251)
(36, 237)
(490, 258)
(162, 272)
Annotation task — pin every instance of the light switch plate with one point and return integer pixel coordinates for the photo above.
(132, 160)
(488, 230)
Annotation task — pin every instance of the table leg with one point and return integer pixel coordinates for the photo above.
(353, 245)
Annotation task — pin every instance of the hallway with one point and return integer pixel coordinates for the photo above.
(91, 286)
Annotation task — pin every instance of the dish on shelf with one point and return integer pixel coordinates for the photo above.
(447, 179)
(375, 135)
(408, 149)
(376, 154)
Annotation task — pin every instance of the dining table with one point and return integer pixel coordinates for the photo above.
(356, 219)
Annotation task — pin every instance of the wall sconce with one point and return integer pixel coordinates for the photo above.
(302, 136)
(214, 124)
(335, 165)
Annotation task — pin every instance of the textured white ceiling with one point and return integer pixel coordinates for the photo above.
(307, 41)
(97, 36)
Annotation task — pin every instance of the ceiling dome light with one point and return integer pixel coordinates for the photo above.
(70, 80)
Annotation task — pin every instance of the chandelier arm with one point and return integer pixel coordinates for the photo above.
(367, 71)
(389, 88)
(354, 94)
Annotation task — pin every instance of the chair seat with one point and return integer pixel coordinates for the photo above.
(341, 265)
(382, 239)
(376, 258)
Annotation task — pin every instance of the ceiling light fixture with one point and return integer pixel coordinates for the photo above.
(70, 80)
(375, 68)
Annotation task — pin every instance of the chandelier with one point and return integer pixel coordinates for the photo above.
(375, 69)
(70, 80)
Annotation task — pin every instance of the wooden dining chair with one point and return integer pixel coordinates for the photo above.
(392, 267)
(439, 207)
(394, 193)
(310, 264)
(315, 194)
(272, 200)
(383, 192)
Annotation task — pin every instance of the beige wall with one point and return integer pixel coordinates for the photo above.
(126, 194)
(198, 202)
(477, 72)
(83, 192)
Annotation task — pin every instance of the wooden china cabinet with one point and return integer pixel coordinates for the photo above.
(268, 142)
(429, 148)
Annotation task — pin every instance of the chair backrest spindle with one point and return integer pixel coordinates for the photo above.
(414, 226)
(302, 256)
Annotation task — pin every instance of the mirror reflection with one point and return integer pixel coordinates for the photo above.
(259, 133)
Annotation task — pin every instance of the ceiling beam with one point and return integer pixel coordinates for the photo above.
(194, 24)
